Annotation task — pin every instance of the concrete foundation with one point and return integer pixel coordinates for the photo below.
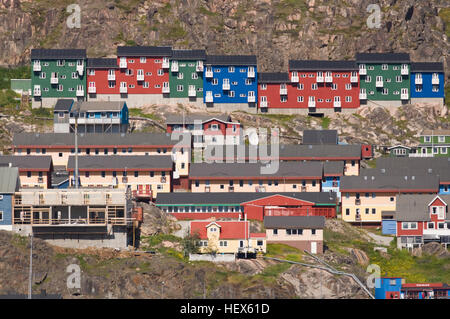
(306, 111)
(141, 100)
(386, 103)
(434, 101)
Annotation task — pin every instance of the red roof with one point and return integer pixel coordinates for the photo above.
(257, 235)
(228, 229)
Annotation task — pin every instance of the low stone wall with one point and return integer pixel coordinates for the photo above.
(212, 258)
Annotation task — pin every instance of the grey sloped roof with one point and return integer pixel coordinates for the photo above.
(24, 162)
(239, 198)
(121, 162)
(382, 57)
(435, 133)
(427, 67)
(92, 106)
(95, 139)
(9, 180)
(374, 182)
(322, 65)
(415, 207)
(58, 54)
(236, 170)
(151, 51)
(102, 63)
(63, 105)
(320, 137)
(333, 168)
(231, 59)
(191, 118)
(289, 222)
(287, 151)
(188, 55)
(273, 77)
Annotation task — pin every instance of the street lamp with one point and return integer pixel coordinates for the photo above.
(76, 114)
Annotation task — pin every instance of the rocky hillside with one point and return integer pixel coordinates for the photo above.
(274, 30)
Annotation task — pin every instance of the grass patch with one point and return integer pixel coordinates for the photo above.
(156, 240)
(444, 14)
(325, 122)
(270, 274)
(140, 113)
(447, 93)
(372, 163)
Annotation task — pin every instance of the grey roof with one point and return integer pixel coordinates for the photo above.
(95, 139)
(289, 222)
(9, 180)
(119, 162)
(238, 198)
(63, 105)
(322, 65)
(414, 208)
(101, 63)
(333, 168)
(138, 51)
(92, 106)
(273, 77)
(58, 54)
(391, 182)
(188, 55)
(24, 162)
(231, 59)
(435, 132)
(320, 137)
(236, 170)
(427, 67)
(382, 57)
(190, 118)
(416, 166)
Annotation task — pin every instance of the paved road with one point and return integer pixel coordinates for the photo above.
(382, 240)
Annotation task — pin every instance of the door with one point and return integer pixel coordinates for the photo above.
(313, 247)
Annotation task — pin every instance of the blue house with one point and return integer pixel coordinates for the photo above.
(9, 184)
(230, 81)
(388, 288)
(100, 117)
(332, 173)
(427, 82)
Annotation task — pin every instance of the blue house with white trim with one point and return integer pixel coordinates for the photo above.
(427, 82)
(9, 184)
(230, 82)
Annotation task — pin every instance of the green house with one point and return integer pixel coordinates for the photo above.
(434, 143)
(56, 74)
(186, 74)
(384, 78)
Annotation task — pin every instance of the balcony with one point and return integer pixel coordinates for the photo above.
(263, 104)
(123, 89)
(231, 189)
(311, 103)
(209, 73)
(37, 90)
(435, 80)
(174, 67)
(192, 92)
(251, 99)
(354, 79)
(362, 71)
(251, 73)
(303, 188)
(207, 189)
(329, 78)
(111, 77)
(199, 66)
(209, 97)
(80, 92)
(54, 80)
(92, 89)
(337, 103)
(37, 67)
(165, 63)
(294, 78)
(260, 189)
(418, 80)
(166, 88)
(123, 63)
(140, 76)
(404, 95)
(319, 78)
(163, 179)
(283, 90)
(80, 69)
(357, 201)
(226, 86)
(405, 70)
(379, 83)
(362, 95)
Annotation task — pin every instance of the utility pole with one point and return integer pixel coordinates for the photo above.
(76, 149)
(30, 276)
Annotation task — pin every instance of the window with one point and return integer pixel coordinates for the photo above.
(368, 79)
(348, 99)
(314, 86)
(431, 225)
(275, 231)
(441, 139)
(145, 85)
(231, 94)
(60, 63)
(374, 211)
(384, 67)
(334, 86)
(231, 69)
(143, 59)
(214, 81)
(179, 88)
(263, 86)
(348, 86)
(300, 99)
(160, 72)
(129, 72)
(283, 98)
(248, 81)
(180, 76)
(136, 174)
(367, 211)
(385, 91)
(103, 174)
(313, 231)
(391, 199)
(194, 76)
(427, 138)
(42, 75)
(300, 86)
(1, 215)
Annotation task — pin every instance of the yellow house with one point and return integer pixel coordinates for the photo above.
(145, 175)
(34, 171)
(364, 197)
(227, 237)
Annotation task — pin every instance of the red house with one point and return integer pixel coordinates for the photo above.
(101, 79)
(143, 75)
(272, 91)
(421, 219)
(319, 85)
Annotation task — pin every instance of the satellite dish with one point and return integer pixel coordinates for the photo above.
(253, 138)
